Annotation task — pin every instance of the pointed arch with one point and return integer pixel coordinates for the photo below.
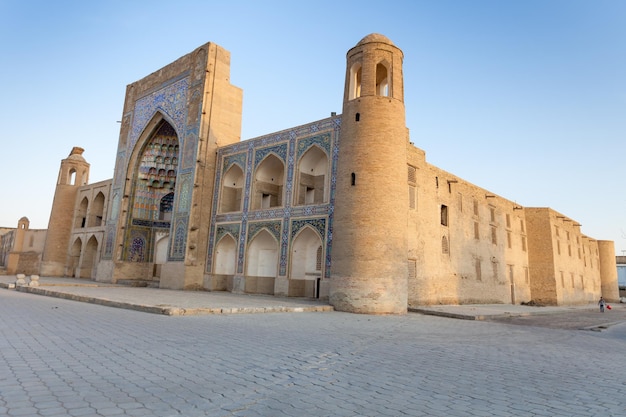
(96, 211)
(383, 84)
(160, 248)
(147, 158)
(151, 181)
(232, 189)
(225, 255)
(166, 206)
(312, 175)
(137, 252)
(262, 255)
(80, 218)
(355, 81)
(89, 258)
(268, 183)
(74, 254)
(306, 255)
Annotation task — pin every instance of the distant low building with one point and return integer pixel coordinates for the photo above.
(621, 274)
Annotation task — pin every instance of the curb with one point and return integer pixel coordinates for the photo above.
(447, 314)
(169, 310)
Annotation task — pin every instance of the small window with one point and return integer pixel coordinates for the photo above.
(476, 231)
(412, 193)
(412, 174)
(494, 235)
(445, 246)
(444, 215)
(353, 179)
(357, 117)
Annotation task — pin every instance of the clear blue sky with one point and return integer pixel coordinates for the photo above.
(524, 98)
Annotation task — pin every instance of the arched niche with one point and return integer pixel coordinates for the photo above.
(232, 186)
(268, 183)
(96, 211)
(262, 255)
(312, 175)
(306, 255)
(225, 256)
(80, 219)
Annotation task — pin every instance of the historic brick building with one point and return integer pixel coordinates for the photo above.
(345, 208)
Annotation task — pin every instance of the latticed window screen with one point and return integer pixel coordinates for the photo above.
(412, 171)
(318, 259)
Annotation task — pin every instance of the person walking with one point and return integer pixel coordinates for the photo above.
(601, 303)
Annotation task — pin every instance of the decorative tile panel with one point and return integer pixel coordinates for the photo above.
(279, 150)
(231, 229)
(230, 160)
(323, 141)
(180, 239)
(170, 100)
(289, 145)
(273, 227)
(318, 224)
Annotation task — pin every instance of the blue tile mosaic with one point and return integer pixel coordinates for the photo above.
(170, 100)
(288, 145)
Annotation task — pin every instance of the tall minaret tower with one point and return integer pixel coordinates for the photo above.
(369, 250)
(73, 173)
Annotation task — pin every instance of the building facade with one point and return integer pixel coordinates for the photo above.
(345, 208)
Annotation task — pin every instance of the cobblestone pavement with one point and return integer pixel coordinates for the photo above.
(65, 358)
(579, 319)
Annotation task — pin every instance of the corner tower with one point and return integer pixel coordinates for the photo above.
(369, 253)
(74, 172)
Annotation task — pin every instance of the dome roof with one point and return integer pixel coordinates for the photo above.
(375, 37)
(77, 154)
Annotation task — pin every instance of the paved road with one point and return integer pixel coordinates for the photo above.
(65, 358)
(574, 320)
